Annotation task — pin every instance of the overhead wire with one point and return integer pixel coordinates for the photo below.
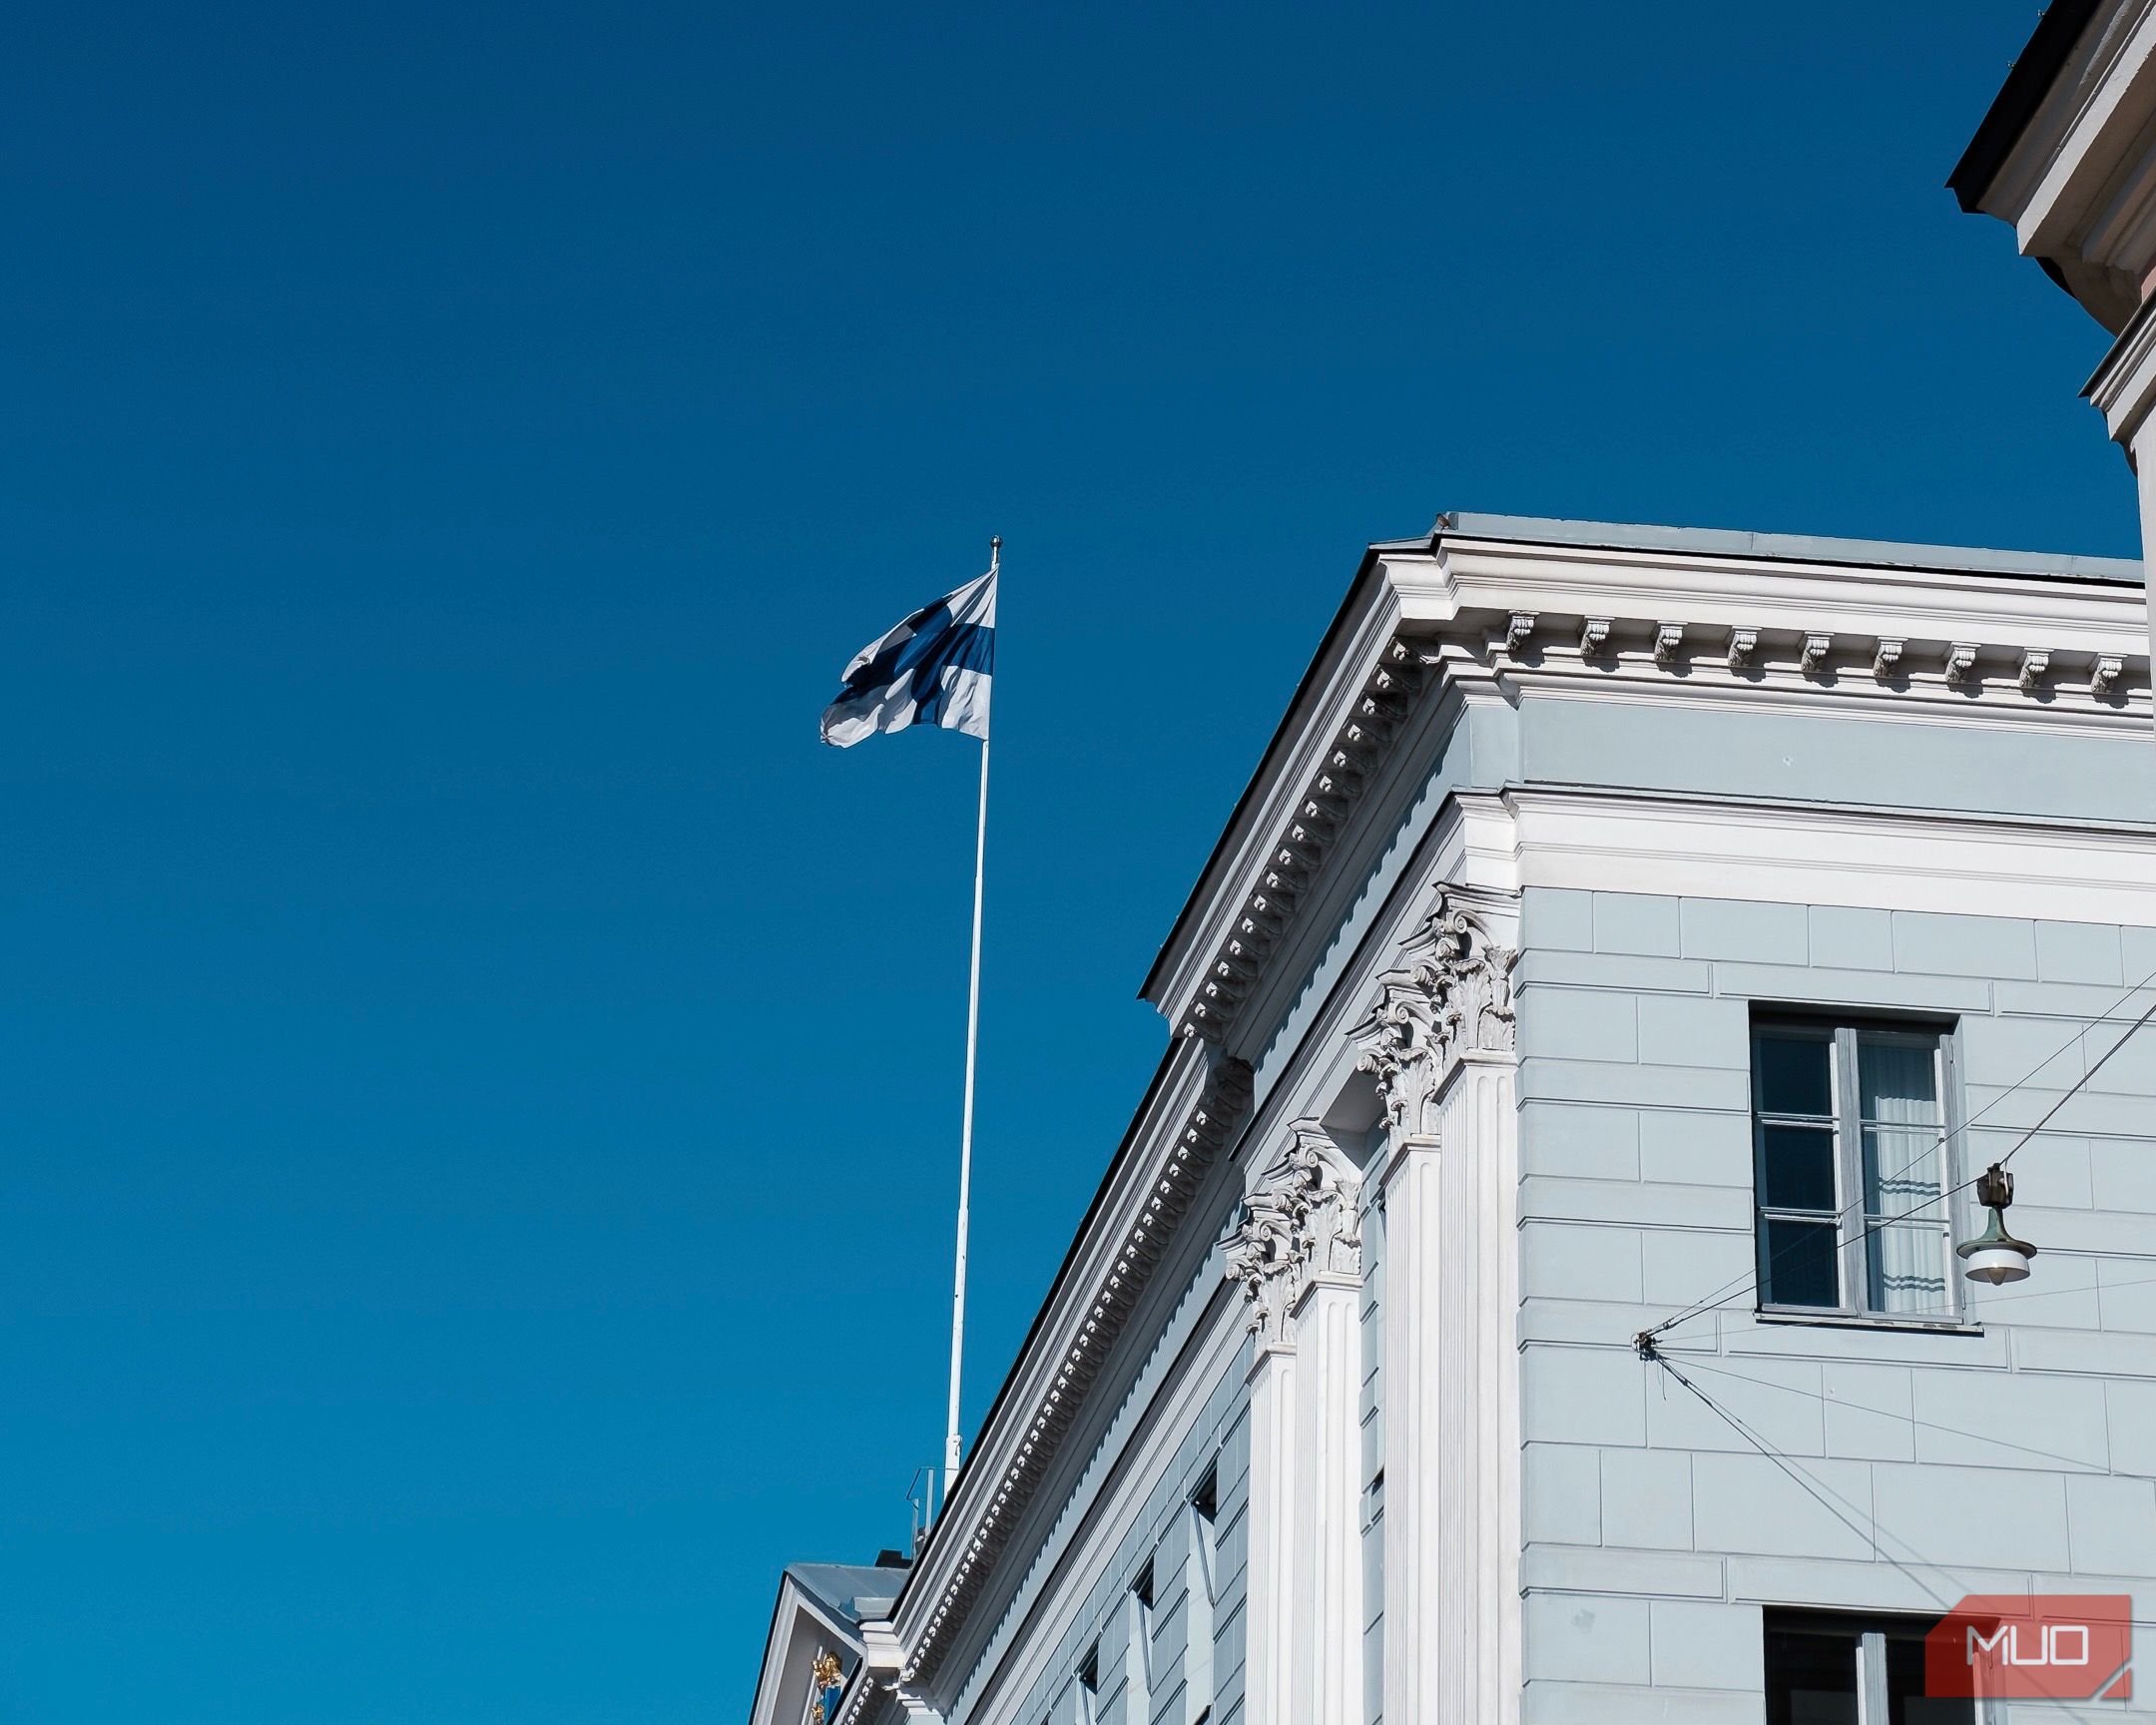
(1867, 1527)
(1823, 1494)
(1740, 1284)
(1738, 1287)
(2078, 1463)
(2098, 1287)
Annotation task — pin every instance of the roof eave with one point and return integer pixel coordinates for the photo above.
(2028, 83)
(1284, 737)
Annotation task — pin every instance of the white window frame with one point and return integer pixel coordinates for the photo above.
(1852, 1237)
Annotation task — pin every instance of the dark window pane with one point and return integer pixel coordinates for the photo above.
(1799, 1164)
(1810, 1679)
(1905, 1700)
(1800, 1264)
(1794, 1075)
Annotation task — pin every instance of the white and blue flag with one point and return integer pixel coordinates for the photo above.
(933, 669)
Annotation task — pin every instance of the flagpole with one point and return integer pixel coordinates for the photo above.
(953, 1444)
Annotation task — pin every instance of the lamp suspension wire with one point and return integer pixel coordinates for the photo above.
(952, 1444)
(1738, 1288)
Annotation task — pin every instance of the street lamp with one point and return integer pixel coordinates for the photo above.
(1995, 1256)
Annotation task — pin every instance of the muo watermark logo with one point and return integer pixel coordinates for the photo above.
(2033, 1646)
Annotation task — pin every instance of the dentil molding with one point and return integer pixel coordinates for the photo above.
(1093, 1298)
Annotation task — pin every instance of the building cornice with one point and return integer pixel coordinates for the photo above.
(1586, 838)
(1500, 619)
(2019, 99)
(2075, 178)
(1129, 1455)
(1197, 1101)
(2123, 386)
(1309, 779)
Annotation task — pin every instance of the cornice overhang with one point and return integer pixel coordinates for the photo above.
(2123, 386)
(1498, 619)
(2029, 82)
(2065, 157)
(881, 1660)
(1198, 1100)
(1346, 642)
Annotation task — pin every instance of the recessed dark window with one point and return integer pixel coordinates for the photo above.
(1847, 1671)
(1141, 1668)
(1850, 1167)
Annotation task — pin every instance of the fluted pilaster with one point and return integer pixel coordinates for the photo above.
(1296, 1249)
(1439, 1042)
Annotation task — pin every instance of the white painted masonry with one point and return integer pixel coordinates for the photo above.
(1458, 1103)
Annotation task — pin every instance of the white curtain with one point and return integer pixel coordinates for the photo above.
(1904, 1167)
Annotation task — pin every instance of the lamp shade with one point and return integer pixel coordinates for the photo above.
(1995, 1256)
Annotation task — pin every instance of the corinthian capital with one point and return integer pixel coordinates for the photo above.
(1300, 1218)
(1451, 995)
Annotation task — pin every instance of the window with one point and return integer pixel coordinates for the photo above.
(1138, 1668)
(1848, 1165)
(1205, 1531)
(1376, 1146)
(1847, 1671)
(1374, 1597)
(1203, 1584)
(1089, 1687)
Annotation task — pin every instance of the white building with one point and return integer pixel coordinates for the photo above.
(1627, 929)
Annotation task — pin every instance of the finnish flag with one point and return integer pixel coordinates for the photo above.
(933, 669)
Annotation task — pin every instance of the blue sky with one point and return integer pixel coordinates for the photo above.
(480, 1083)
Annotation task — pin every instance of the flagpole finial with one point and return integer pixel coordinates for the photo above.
(995, 548)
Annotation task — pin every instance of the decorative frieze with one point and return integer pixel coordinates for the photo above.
(1780, 660)
(1913, 671)
(1452, 995)
(1618, 652)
